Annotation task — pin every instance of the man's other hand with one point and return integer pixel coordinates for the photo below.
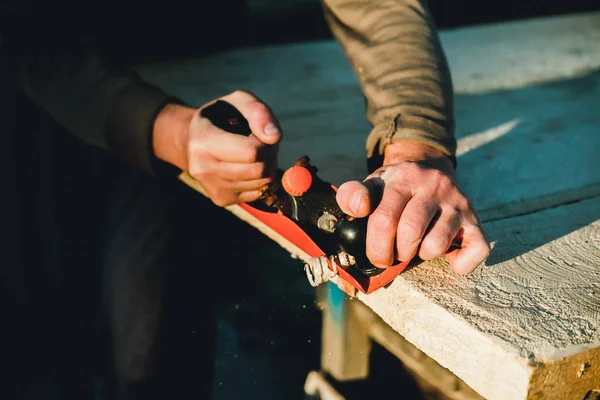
(231, 168)
(416, 209)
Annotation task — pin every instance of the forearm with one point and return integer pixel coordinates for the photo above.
(397, 56)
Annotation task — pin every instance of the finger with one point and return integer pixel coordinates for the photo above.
(242, 171)
(261, 119)
(473, 251)
(438, 240)
(414, 221)
(224, 197)
(353, 199)
(248, 197)
(233, 148)
(382, 226)
(359, 199)
(245, 186)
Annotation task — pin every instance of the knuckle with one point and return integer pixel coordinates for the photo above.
(462, 204)
(219, 202)
(240, 93)
(259, 171)
(443, 181)
(455, 209)
(409, 232)
(221, 199)
(434, 246)
(405, 251)
(439, 179)
(196, 147)
(438, 174)
(197, 170)
(378, 254)
(258, 110)
(251, 153)
(408, 172)
(382, 220)
(388, 174)
(202, 170)
(412, 166)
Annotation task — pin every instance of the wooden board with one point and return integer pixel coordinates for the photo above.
(522, 146)
(534, 305)
(526, 324)
(431, 376)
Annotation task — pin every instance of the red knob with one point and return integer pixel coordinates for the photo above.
(296, 180)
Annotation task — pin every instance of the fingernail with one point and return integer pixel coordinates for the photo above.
(356, 201)
(271, 129)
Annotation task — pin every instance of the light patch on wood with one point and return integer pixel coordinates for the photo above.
(472, 142)
(521, 53)
(532, 310)
(535, 302)
(427, 371)
(345, 341)
(549, 157)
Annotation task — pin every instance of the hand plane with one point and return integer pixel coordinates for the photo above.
(302, 208)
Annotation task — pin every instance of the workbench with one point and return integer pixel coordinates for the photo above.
(525, 324)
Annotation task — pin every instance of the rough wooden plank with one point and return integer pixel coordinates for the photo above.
(521, 53)
(530, 310)
(522, 147)
(427, 371)
(541, 151)
(346, 345)
(525, 324)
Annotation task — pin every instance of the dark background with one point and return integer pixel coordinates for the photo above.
(221, 24)
(282, 21)
(267, 322)
(153, 31)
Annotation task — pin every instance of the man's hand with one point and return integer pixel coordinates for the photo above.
(415, 208)
(230, 167)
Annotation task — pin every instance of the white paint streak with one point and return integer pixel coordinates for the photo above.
(476, 140)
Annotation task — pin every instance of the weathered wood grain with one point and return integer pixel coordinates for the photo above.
(521, 53)
(430, 375)
(526, 324)
(541, 150)
(522, 146)
(346, 346)
(533, 305)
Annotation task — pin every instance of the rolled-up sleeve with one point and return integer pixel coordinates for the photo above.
(397, 56)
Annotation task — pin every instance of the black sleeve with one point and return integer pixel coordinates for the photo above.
(97, 98)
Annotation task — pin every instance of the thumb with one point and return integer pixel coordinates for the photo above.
(261, 119)
(354, 199)
(270, 132)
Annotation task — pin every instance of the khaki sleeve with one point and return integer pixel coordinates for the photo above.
(396, 54)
